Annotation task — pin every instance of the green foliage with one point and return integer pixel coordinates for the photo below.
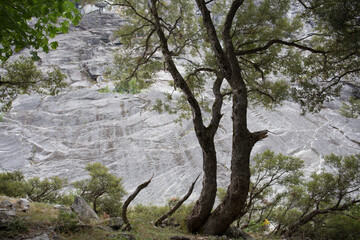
(104, 90)
(67, 221)
(46, 189)
(103, 189)
(13, 184)
(221, 193)
(334, 189)
(23, 77)
(351, 109)
(13, 228)
(128, 80)
(66, 198)
(32, 23)
(305, 206)
(1, 118)
(268, 170)
(340, 226)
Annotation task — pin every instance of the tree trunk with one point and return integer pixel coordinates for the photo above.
(205, 203)
(235, 199)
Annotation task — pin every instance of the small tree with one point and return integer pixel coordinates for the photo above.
(334, 189)
(23, 77)
(351, 109)
(268, 170)
(46, 189)
(12, 184)
(103, 189)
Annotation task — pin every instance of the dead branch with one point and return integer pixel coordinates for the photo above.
(127, 226)
(176, 207)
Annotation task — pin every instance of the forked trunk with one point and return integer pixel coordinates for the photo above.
(232, 205)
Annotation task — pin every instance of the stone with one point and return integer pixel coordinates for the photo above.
(43, 236)
(6, 204)
(85, 213)
(23, 204)
(234, 232)
(114, 223)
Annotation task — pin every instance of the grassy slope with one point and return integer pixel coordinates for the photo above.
(41, 217)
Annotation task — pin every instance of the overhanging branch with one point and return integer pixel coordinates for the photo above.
(278, 41)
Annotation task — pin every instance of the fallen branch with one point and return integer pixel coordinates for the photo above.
(173, 210)
(127, 226)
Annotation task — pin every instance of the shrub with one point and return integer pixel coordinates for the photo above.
(13, 228)
(46, 189)
(67, 221)
(13, 184)
(351, 109)
(102, 190)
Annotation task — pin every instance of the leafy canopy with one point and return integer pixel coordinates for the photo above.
(26, 23)
(293, 49)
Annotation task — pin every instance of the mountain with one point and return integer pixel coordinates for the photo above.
(59, 135)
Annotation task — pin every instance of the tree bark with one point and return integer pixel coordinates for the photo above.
(127, 226)
(176, 207)
(205, 136)
(308, 217)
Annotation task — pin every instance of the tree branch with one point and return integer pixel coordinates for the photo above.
(127, 226)
(178, 204)
(278, 41)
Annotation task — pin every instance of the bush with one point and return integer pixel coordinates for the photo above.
(340, 226)
(102, 190)
(13, 184)
(46, 189)
(13, 228)
(67, 221)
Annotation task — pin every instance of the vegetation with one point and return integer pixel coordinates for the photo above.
(322, 206)
(103, 190)
(351, 109)
(245, 51)
(303, 206)
(15, 185)
(23, 77)
(127, 80)
(32, 23)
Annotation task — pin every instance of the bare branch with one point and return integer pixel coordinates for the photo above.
(128, 201)
(178, 204)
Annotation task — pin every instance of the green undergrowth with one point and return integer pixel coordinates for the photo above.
(41, 216)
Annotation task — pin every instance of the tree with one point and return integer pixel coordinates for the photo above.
(23, 77)
(103, 190)
(332, 190)
(45, 189)
(244, 50)
(352, 109)
(31, 23)
(14, 184)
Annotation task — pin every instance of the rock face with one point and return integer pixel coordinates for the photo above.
(59, 135)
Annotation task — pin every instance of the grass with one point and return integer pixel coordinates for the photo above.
(42, 216)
